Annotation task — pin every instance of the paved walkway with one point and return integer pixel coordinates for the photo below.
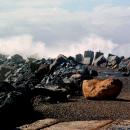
(53, 124)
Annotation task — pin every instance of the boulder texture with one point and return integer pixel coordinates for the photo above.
(99, 59)
(113, 61)
(79, 58)
(88, 57)
(101, 89)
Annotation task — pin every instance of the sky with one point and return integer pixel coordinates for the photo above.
(46, 28)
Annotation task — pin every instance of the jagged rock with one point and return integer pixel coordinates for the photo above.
(99, 61)
(79, 58)
(88, 57)
(59, 60)
(98, 54)
(3, 58)
(17, 59)
(93, 73)
(3, 71)
(52, 92)
(113, 61)
(101, 89)
(124, 65)
(6, 87)
(42, 71)
(12, 105)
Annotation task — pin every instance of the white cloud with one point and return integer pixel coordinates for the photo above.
(25, 46)
(52, 25)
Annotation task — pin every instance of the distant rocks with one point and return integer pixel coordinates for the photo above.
(101, 89)
(113, 61)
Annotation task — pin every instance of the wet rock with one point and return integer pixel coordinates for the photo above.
(124, 65)
(101, 89)
(17, 59)
(113, 61)
(99, 61)
(3, 71)
(52, 92)
(79, 58)
(93, 73)
(98, 54)
(12, 105)
(59, 60)
(3, 58)
(42, 71)
(88, 57)
(6, 87)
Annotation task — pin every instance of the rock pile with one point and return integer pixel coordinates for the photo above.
(54, 80)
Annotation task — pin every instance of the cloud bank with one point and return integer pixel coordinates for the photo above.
(26, 46)
(64, 26)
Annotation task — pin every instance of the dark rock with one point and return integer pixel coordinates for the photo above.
(59, 60)
(79, 58)
(88, 57)
(51, 93)
(3, 71)
(17, 59)
(6, 87)
(124, 65)
(42, 71)
(93, 73)
(12, 106)
(113, 61)
(99, 61)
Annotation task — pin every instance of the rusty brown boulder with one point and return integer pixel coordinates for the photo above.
(101, 89)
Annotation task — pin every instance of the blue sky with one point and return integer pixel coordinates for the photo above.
(89, 5)
(53, 26)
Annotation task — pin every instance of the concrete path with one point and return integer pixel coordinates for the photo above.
(53, 124)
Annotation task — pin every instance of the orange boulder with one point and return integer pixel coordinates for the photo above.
(101, 89)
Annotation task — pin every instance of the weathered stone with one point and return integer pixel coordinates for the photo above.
(113, 61)
(124, 65)
(98, 54)
(42, 71)
(99, 61)
(17, 59)
(3, 71)
(59, 60)
(12, 108)
(88, 57)
(87, 61)
(101, 89)
(79, 58)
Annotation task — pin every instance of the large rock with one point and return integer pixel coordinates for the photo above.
(14, 105)
(59, 60)
(42, 71)
(17, 59)
(101, 89)
(99, 59)
(88, 57)
(113, 61)
(79, 58)
(124, 65)
(3, 71)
